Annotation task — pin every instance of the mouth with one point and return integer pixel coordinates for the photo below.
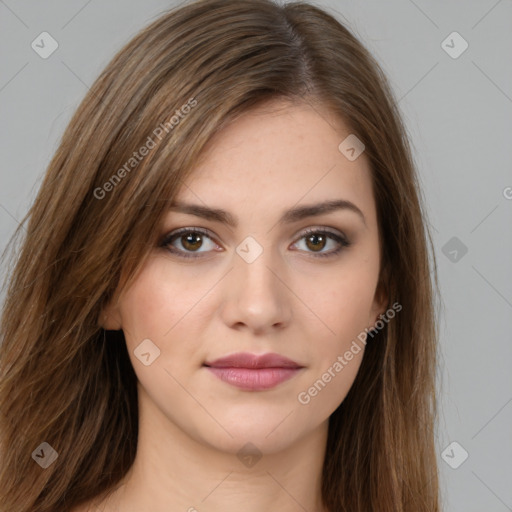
(254, 379)
(253, 372)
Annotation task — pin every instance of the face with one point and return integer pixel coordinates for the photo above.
(250, 262)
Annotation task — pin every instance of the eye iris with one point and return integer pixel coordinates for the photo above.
(192, 241)
(315, 239)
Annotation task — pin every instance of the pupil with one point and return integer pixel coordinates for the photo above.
(193, 240)
(315, 239)
(189, 241)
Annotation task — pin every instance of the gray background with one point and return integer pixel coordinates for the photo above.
(459, 115)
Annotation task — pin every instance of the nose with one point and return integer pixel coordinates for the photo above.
(255, 295)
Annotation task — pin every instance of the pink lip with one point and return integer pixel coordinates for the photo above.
(253, 372)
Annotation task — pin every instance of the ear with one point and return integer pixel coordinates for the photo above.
(380, 304)
(110, 317)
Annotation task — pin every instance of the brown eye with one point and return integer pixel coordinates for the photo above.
(316, 241)
(189, 243)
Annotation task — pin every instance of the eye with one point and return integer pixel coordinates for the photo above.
(187, 241)
(315, 240)
(190, 242)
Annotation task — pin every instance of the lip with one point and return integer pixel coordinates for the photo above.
(253, 361)
(254, 372)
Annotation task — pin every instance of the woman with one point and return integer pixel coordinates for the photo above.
(223, 297)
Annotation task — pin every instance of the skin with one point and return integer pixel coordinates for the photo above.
(288, 300)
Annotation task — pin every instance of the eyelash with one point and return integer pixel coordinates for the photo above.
(342, 241)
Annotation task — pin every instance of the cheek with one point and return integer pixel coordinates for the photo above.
(337, 355)
(158, 303)
(162, 306)
(330, 380)
(342, 305)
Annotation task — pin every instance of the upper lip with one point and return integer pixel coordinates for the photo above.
(247, 360)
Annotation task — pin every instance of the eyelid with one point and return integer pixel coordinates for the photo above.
(322, 229)
(336, 235)
(167, 238)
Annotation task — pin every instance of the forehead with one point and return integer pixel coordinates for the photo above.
(276, 156)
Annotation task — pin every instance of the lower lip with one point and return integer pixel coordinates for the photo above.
(254, 379)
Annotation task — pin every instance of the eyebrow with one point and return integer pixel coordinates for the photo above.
(288, 217)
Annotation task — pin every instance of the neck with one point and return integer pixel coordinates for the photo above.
(175, 471)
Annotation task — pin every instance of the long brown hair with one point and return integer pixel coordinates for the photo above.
(67, 382)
